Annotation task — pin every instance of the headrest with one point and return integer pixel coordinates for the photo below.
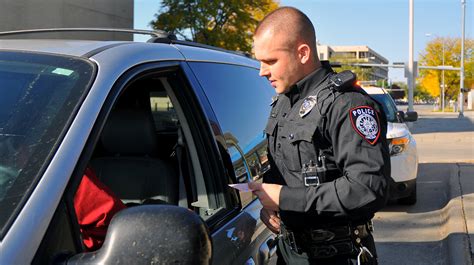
(129, 132)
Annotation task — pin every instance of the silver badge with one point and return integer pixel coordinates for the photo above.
(307, 106)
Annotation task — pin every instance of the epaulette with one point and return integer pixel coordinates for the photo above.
(339, 82)
(342, 80)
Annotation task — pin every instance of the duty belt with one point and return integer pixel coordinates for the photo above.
(327, 242)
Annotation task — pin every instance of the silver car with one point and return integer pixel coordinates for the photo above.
(166, 125)
(403, 154)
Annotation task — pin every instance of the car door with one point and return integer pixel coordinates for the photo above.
(192, 167)
(238, 110)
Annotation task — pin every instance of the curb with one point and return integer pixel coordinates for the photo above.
(455, 228)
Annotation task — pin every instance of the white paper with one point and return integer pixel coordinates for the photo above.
(240, 186)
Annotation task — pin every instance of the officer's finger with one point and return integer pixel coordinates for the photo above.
(275, 224)
(254, 186)
(271, 226)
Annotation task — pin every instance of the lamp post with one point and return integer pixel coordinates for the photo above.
(411, 64)
(442, 73)
(461, 77)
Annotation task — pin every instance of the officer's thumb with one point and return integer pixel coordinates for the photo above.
(253, 186)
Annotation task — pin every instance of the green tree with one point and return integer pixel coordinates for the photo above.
(227, 24)
(433, 56)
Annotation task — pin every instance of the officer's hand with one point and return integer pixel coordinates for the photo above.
(268, 194)
(271, 220)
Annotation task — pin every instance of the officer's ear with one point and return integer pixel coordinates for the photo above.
(304, 53)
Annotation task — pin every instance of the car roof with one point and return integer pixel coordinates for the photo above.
(374, 90)
(64, 47)
(86, 48)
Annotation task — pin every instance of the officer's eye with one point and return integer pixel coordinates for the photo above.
(269, 62)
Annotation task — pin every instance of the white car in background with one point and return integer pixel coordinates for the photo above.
(403, 153)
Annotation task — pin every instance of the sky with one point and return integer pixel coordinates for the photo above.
(380, 24)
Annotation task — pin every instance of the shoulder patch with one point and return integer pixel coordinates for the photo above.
(365, 121)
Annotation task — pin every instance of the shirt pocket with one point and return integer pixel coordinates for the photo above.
(270, 128)
(298, 147)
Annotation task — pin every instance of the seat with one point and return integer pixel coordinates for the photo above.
(129, 166)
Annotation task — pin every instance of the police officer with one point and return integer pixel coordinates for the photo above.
(327, 149)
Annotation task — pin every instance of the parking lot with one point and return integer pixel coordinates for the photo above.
(439, 229)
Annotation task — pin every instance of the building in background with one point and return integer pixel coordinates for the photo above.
(356, 54)
(35, 14)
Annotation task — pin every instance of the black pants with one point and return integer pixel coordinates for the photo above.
(286, 256)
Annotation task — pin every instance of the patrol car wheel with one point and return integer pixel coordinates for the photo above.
(410, 200)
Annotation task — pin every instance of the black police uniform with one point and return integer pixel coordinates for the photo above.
(327, 147)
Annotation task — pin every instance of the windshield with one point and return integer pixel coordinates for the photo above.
(388, 106)
(38, 95)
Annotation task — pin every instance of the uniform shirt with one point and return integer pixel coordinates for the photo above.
(95, 205)
(351, 129)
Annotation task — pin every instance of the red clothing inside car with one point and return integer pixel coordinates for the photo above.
(95, 206)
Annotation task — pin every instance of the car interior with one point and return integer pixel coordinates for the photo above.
(136, 155)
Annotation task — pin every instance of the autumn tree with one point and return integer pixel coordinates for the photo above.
(227, 24)
(431, 80)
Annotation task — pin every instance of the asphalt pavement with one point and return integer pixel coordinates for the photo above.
(439, 228)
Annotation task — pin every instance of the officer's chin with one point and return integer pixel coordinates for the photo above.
(280, 90)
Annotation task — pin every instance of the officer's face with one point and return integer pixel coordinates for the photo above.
(278, 60)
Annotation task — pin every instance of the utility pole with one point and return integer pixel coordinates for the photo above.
(410, 74)
(442, 81)
(461, 81)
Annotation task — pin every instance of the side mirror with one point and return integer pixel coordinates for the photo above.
(410, 116)
(152, 234)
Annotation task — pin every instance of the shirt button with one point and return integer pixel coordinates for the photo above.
(279, 145)
(291, 136)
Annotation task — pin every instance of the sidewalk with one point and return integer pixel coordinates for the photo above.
(459, 215)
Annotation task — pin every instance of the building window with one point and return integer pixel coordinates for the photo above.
(346, 54)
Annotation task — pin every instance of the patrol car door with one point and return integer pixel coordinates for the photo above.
(237, 107)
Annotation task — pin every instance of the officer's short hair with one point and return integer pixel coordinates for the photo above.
(289, 19)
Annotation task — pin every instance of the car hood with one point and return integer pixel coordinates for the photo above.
(395, 130)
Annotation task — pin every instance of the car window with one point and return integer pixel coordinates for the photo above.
(39, 93)
(164, 114)
(241, 101)
(388, 106)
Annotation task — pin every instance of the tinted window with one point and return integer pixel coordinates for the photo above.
(388, 106)
(38, 94)
(241, 101)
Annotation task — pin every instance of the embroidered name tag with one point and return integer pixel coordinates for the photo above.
(365, 122)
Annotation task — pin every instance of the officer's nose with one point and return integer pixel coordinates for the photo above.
(264, 71)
